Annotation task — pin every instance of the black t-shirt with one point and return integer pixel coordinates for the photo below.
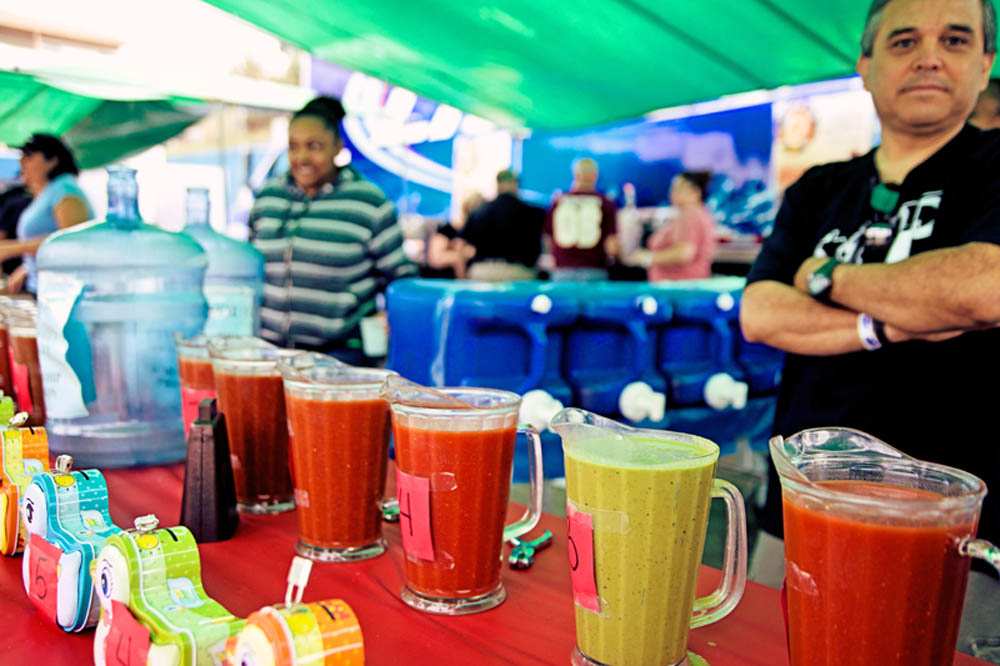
(506, 229)
(934, 401)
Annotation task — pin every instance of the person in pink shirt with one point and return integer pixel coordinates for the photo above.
(684, 248)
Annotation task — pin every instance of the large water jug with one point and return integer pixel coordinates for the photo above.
(112, 294)
(234, 281)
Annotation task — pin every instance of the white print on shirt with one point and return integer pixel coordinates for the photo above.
(913, 221)
(576, 222)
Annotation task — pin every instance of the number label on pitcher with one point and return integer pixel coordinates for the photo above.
(414, 494)
(580, 544)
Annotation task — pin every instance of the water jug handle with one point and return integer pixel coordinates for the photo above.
(533, 512)
(726, 597)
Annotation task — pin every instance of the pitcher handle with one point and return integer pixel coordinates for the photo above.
(980, 549)
(533, 512)
(725, 598)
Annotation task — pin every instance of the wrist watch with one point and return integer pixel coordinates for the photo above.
(820, 282)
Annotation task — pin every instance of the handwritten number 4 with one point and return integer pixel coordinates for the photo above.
(126, 660)
(406, 514)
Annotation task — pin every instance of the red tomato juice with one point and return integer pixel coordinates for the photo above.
(254, 407)
(469, 474)
(339, 454)
(863, 591)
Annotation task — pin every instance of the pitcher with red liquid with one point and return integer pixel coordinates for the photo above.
(252, 397)
(338, 424)
(454, 454)
(877, 550)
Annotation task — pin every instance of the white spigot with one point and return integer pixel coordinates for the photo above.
(722, 392)
(538, 408)
(639, 402)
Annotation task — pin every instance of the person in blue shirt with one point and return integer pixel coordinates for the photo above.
(49, 172)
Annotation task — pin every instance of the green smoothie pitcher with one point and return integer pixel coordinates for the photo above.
(637, 508)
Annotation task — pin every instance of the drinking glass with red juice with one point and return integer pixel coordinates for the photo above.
(338, 423)
(197, 379)
(26, 369)
(454, 453)
(877, 548)
(252, 397)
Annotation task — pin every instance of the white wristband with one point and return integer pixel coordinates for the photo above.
(866, 332)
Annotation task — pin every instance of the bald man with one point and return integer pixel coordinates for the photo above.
(580, 226)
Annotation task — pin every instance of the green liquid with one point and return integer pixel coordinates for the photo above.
(649, 531)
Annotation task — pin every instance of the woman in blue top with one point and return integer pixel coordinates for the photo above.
(49, 172)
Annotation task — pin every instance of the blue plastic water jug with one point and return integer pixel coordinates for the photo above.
(234, 281)
(112, 294)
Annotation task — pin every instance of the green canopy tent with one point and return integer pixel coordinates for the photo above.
(571, 64)
(99, 130)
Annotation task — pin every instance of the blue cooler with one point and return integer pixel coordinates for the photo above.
(612, 350)
(697, 351)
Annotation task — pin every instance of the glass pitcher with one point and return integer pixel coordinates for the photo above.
(877, 550)
(637, 507)
(338, 424)
(454, 457)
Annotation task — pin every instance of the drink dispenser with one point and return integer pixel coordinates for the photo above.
(112, 294)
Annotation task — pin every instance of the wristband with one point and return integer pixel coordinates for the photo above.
(866, 332)
(880, 332)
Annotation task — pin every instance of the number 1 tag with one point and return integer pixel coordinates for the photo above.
(580, 543)
(43, 578)
(127, 642)
(414, 493)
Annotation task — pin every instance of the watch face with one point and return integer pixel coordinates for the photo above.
(818, 284)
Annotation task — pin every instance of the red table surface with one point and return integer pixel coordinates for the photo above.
(534, 626)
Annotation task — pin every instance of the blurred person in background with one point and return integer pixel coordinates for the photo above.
(13, 200)
(49, 172)
(684, 248)
(330, 238)
(986, 115)
(506, 235)
(447, 253)
(581, 227)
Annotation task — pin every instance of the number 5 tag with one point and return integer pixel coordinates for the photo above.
(43, 575)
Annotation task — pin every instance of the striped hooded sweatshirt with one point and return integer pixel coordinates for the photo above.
(326, 257)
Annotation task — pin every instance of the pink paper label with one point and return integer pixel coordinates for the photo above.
(43, 580)
(580, 544)
(127, 642)
(22, 387)
(190, 399)
(414, 494)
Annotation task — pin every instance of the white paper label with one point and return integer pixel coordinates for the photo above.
(57, 294)
(231, 310)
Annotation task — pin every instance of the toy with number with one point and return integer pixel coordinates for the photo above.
(24, 452)
(324, 633)
(154, 608)
(66, 518)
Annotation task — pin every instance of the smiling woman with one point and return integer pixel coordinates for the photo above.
(330, 239)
